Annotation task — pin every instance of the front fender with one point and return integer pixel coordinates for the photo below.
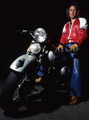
(27, 60)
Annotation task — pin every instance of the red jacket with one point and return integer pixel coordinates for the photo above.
(76, 34)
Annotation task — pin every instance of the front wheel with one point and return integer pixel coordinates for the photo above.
(10, 94)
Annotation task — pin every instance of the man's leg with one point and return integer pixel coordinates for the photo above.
(39, 74)
(75, 83)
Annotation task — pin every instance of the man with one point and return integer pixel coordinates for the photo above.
(73, 35)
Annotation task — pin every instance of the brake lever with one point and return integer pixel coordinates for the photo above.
(21, 31)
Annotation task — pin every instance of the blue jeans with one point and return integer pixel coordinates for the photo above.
(75, 82)
(40, 72)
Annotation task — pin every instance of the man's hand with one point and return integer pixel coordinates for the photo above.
(74, 47)
(60, 47)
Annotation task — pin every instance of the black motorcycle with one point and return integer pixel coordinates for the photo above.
(21, 81)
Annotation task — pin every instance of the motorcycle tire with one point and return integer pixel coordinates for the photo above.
(8, 103)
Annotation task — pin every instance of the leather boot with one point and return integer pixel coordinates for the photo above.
(74, 100)
(38, 80)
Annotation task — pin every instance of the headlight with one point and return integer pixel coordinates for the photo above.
(40, 35)
(35, 48)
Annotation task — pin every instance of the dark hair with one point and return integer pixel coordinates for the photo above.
(76, 6)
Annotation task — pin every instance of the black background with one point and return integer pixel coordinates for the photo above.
(51, 15)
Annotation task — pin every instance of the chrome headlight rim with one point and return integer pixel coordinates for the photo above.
(40, 35)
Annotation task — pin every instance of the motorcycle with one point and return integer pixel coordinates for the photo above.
(21, 81)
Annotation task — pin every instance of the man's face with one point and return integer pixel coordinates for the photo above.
(72, 12)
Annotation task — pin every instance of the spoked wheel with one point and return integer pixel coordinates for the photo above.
(12, 92)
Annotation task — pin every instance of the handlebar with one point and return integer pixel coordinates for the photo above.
(26, 31)
(66, 49)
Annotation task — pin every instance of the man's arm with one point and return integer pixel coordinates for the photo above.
(82, 31)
